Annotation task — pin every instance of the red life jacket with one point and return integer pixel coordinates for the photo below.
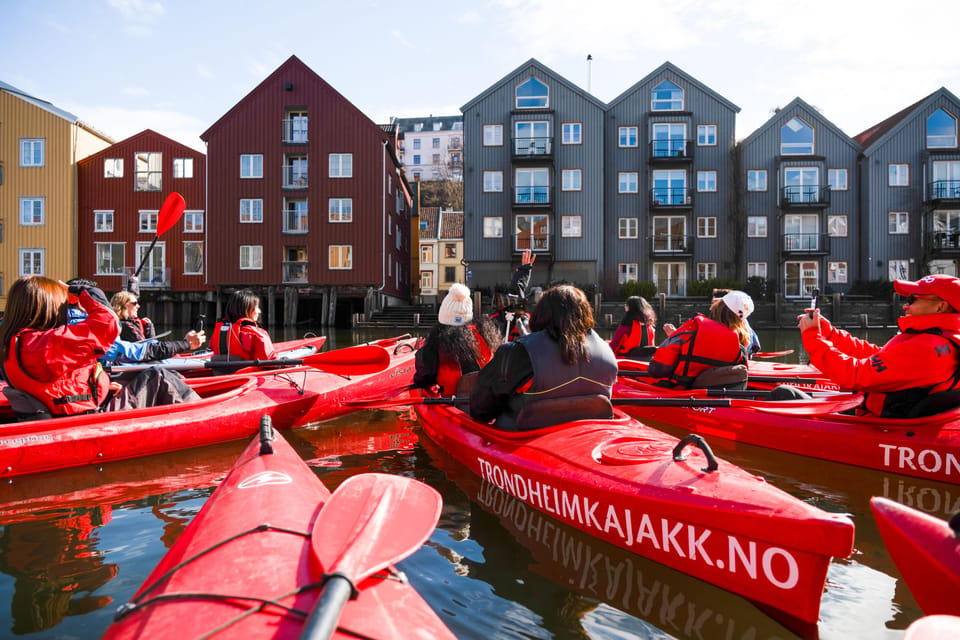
(228, 341)
(448, 369)
(897, 404)
(79, 391)
(641, 335)
(709, 345)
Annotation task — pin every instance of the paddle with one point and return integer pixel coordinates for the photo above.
(170, 212)
(370, 522)
(156, 337)
(772, 354)
(777, 379)
(355, 361)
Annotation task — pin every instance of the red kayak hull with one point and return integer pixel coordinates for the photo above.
(230, 410)
(926, 551)
(927, 447)
(617, 481)
(250, 543)
(801, 376)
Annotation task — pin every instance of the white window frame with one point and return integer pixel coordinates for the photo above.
(628, 136)
(571, 180)
(493, 181)
(706, 181)
(113, 167)
(33, 211)
(493, 135)
(707, 227)
(628, 182)
(102, 220)
(426, 253)
(193, 221)
(493, 226)
(37, 259)
(757, 180)
(342, 255)
(706, 135)
(757, 270)
(898, 223)
(33, 152)
(807, 280)
(183, 168)
(837, 225)
(706, 270)
(840, 178)
(254, 211)
(571, 133)
(148, 220)
(251, 257)
(898, 269)
(898, 174)
(571, 226)
(115, 269)
(336, 211)
(627, 271)
(341, 165)
(251, 166)
(628, 228)
(837, 272)
(296, 218)
(192, 243)
(757, 227)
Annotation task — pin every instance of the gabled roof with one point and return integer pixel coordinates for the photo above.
(428, 222)
(145, 134)
(677, 72)
(791, 109)
(451, 225)
(879, 131)
(49, 107)
(533, 66)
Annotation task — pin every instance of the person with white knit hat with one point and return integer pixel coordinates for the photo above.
(458, 344)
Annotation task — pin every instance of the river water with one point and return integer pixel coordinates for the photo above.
(76, 544)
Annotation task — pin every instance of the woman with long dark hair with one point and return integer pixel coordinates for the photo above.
(635, 336)
(239, 335)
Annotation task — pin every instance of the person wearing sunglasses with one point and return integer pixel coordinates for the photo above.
(920, 362)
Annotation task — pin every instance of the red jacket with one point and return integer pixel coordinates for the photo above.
(924, 358)
(625, 339)
(242, 340)
(699, 344)
(59, 366)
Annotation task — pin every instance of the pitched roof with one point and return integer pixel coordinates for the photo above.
(676, 72)
(51, 108)
(874, 133)
(798, 104)
(408, 125)
(534, 64)
(451, 225)
(428, 222)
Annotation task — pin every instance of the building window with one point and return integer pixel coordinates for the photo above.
(31, 212)
(341, 256)
(669, 233)
(193, 222)
(800, 278)
(110, 258)
(532, 186)
(570, 133)
(941, 130)
(492, 227)
(706, 135)
(899, 175)
(796, 138)
(340, 210)
(627, 181)
(532, 94)
(183, 167)
(31, 152)
(450, 250)
(251, 210)
(670, 187)
(666, 96)
(706, 180)
(757, 270)
(837, 225)
(628, 228)
(251, 165)
(426, 253)
(757, 180)
(670, 278)
(341, 165)
(493, 135)
(251, 257)
(801, 184)
(148, 171)
(707, 227)
(102, 221)
(435, 143)
(627, 271)
(756, 226)
(416, 158)
(416, 143)
(898, 270)
(154, 271)
(113, 168)
(532, 232)
(898, 222)
(449, 274)
(571, 180)
(627, 136)
(435, 160)
(837, 179)
(571, 226)
(706, 270)
(148, 220)
(669, 140)
(836, 272)
(192, 258)
(295, 216)
(532, 138)
(31, 262)
(493, 181)
(296, 127)
(426, 279)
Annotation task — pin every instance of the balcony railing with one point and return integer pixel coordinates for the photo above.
(804, 197)
(295, 131)
(295, 221)
(945, 242)
(294, 177)
(806, 243)
(295, 272)
(156, 279)
(534, 242)
(677, 149)
(532, 196)
(944, 190)
(674, 244)
(671, 197)
(533, 147)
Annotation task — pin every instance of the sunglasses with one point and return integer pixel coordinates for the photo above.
(917, 296)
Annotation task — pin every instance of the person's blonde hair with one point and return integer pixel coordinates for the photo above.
(720, 312)
(119, 303)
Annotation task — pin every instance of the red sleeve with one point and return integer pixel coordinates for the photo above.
(618, 336)
(257, 341)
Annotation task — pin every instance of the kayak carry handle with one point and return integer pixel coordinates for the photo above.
(693, 438)
(266, 435)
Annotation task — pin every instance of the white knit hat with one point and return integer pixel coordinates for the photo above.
(739, 302)
(457, 307)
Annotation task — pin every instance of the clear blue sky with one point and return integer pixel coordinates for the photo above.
(176, 66)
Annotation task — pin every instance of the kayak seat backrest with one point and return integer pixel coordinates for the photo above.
(936, 403)
(25, 406)
(465, 384)
(548, 413)
(731, 377)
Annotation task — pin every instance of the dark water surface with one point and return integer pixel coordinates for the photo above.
(76, 544)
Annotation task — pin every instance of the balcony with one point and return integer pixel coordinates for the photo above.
(670, 151)
(943, 243)
(944, 192)
(295, 131)
(295, 272)
(295, 177)
(669, 198)
(537, 242)
(155, 278)
(533, 148)
(532, 197)
(816, 196)
(672, 245)
(806, 244)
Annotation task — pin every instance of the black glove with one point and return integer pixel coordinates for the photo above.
(92, 291)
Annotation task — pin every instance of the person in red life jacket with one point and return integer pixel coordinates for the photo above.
(239, 335)
(456, 345)
(132, 327)
(920, 361)
(561, 371)
(704, 344)
(509, 309)
(635, 336)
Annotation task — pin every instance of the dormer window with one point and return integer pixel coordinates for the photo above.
(533, 94)
(796, 138)
(666, 96)
(941, 130)
(437, 126)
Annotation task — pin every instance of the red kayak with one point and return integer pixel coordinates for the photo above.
(628, 484)
(251, 563)
(926, 447)
(300, 346)
(762, 375)
(229, 409)
(927, 553)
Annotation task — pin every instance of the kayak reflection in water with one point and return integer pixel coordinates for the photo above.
(917, 372)
(563, 371)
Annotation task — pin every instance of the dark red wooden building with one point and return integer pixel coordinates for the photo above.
(309, 202)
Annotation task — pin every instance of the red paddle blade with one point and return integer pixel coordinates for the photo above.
(372, 521)
(170, 212)
(354, 361)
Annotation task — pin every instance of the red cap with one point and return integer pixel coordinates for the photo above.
(940, 285)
